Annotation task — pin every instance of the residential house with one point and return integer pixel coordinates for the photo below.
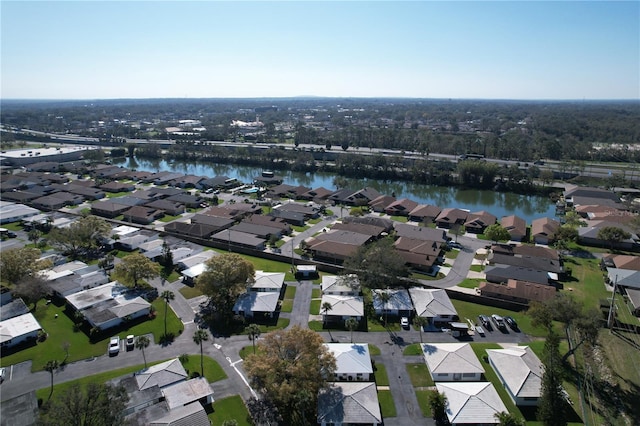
(262, 231)
(520, 372)
(191, 201)
(502, 273)
(543, 230)
(142, 215)
(10, 212)
(589, 235)
(108, 209)
(380, 204)
(349, 403)
(360, 228)
(57, 201)
(270, 221)
(240, 239)
(516, 226)
(361, 197)
(433, 304)
(518, 291)
(626, 278)
(190, 414)
(188, 181)
(479, 221)
(195, 230)
(290, 217)
(382, 222)
(353, 362)
(474, 403)
(318, 194)
(341, 285)
(257, 304)
(418, 254)
(621, 261)
(186, 392)
(168, 207)
(216, 222)
(342, 308)
(538, 263)
(115, 187)
(451, 216)
(308, 212)
(399, 302)
(449, 362)
(19, 329)
(424, 213)
(419, 232)
(331, 251)
(401, 207)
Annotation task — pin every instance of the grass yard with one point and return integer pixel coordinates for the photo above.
(168, 218)
(280, 325)
(380, 373)
(374, 350)
(402, 219)
(248, 350)
(314, 307)
(314, 221)
(470, 283)
(452, 254)
(587, 283)
(290, 292)
(190, 292)
(230, 408)
(260, 264)
(419, 375)
(117, 194)
(438, 276)
(300, 228)
(316, 293)
(287, 305)
(423, 402)
(476, 268)
(13, 226)
(156, 325)
(212, 370)
(413, 349)
(315, 325)
(387, 406)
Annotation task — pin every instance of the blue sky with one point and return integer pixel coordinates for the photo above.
(153, 49)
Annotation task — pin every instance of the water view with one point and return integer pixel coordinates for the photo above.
(500, 204)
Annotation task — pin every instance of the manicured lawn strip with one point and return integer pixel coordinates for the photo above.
(452, 254)
(374, 350)
(314, 307)
(117, 194)
(120, 254)
(190, 292)
(387, 406)
(168, 218)
(300, 228)
(380, 373)
(290, 292)
(314, 221)
(472, 310)
(248, 350)
(476, 268)
(212, 370)
(281, 324)
(287, 305)
(423, 402)
(403, 219)
(13, 226)
(96, 378)
(230, 408)
(589, 287)
(413, 349)
(315, 325)
(156, 325)
(419, 375)
(261, 264)
(316, 293)
(470, 283)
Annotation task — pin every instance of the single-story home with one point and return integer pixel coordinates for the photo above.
(452, 362)
(433, 304)
(349, 403)
(342, 308)
(543, 230)
(399, 303)
(353, 361)
(186, 392)
(260, 304)
(516, 226)
(341, 284)
(518, 291)
(471, 402)
(18, 329)
(520, 372)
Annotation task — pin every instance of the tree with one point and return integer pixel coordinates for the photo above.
(106, 262)
(289, 362)
(225, 277)
(134, 268)
(142, 342)
(31, 289)
(384, 298)
(81, 237)
(98, 404)
(573, 220)
(551, 407)
(378, 265)
(51, 367)
(351, 323)
(34, 235)
(65, 347)
(166, 258)
(507, 419)
(540, 314)
(419, 322)
(18, 263)
(587, 324)
(253, 330)
(326, 307)
(200, 336)
(438, 403)
(613, 235)
(497, 232)
(566, 233)
(167, 296)
(263, 412)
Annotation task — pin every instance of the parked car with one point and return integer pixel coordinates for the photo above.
(114, 345)
(404, 322)
(3, 373)
(511, 323)
(484, 320)
(454, 244)
(499, 322)
(480, 330)
(130, 342)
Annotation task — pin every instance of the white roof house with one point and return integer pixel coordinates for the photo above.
(256, 302)
(520, 371)
(87, 298)
(268, 281)
(18, 329)
(124, 230)
(471, 402)
(452, 362)
(191, 414)
(432, 304)
(183, 393)
(116, 311)
(353, 361)
(349, 403)
(343, 307)
(196, 259)
(161, 375)
(343, 284)
(399, 302)
(194, 271)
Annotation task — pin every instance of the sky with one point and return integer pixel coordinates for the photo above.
(416, 49)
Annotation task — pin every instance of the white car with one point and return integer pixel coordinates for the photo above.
(114, 345)
(480, 330)
(130, 342)
(404, 322)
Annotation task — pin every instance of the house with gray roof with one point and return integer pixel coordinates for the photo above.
(424, 213)
(433, 304)
(349, 403)
(503, 273)
(353, 361)
(449, 362)
(419, 232)
(520, 372)
(242, 239)
(399, 303)
(471, 402)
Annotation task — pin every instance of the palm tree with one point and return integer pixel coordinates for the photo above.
(508, 419)
(326, 307)
(384, 297)
(141, 343)
(198, 337)
(351, 324)
(51, 366)
(167, 296)
(34, 235)
(253, 330)
(419, 322)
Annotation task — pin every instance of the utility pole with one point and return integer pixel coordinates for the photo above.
(612, 306)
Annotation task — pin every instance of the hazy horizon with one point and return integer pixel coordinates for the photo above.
(521, 51)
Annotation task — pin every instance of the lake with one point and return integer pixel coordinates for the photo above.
(528, 207)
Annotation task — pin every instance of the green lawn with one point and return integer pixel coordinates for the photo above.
(403, 219)
(168, 218)
(117, 194)
(156, 325)
(374, 350)
(314, 221)
(314, 308)
(230, 408)
(261, 264)
(423, 402)
(476, 268)
(190, 292)
(381, 375)
(417, 276)
(452, 254)
(419, 375)
(413, 349)
(315, 325)
(248, 350)
(587, 282)
(281, 324)
(13, 226)
(287, 305)
(316, 293)
(470, 282)
(290, 292)
(387, 406)
(212, 370)
(300, 228)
